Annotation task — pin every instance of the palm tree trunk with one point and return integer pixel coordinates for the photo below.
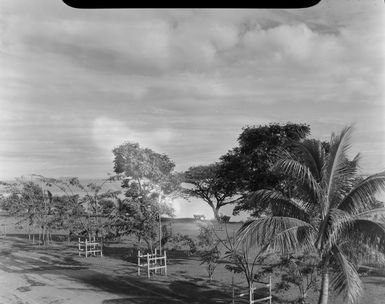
(324, 293)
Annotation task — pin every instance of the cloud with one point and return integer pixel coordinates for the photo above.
(76, 83)
(108, 133)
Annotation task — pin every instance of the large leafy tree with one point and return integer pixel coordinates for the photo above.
(248, 166)
(148, 179)
(331, 208)
(208, 184)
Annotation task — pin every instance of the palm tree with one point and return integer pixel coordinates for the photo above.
(329, 207)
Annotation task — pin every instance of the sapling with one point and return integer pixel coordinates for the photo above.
(300, 271)
(211, 258)
(210, 253)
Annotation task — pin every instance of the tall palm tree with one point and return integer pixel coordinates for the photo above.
(330, 206)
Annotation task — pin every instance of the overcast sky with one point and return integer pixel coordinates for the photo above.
(76, 83)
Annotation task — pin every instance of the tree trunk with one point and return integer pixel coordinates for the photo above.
(216, 213)
(324, 292)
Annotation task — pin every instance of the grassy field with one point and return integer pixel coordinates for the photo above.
(34, 274)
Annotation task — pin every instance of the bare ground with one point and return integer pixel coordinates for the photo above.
(30, 274)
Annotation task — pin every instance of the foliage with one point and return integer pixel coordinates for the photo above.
(148, 179)
(224, 219)
(300, 271)
(179, 240)
(81, 208)
(206, 183)
(138, 215)
(32, 205)
(243, 259)
(25, 201)
(141, 164)
(208, 247)
(210, 257)
(332, 205)
(248, 167)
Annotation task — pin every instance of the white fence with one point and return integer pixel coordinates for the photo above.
(152, 262)
(90, 247)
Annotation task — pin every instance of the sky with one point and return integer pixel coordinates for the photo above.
(74, 84)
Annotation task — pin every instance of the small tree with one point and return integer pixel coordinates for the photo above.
(209, 249)
(211, 258)
(243, 259)
(300, 271)
(32, 205)
(81, 208)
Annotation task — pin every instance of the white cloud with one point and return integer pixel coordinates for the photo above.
(108, 133)
(182, 82)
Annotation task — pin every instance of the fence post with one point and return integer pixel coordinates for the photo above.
(165, 263)
(251, 293)
(139, 263)
(148, 265)
(270, 288)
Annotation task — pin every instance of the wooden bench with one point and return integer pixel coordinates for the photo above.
(199, 217)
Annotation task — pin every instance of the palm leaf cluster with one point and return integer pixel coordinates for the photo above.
(330, 208)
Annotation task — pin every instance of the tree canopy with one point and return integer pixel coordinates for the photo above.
(206, 182)
(148, 179)
(248, 166)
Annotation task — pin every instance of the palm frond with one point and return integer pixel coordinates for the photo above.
(311, 154)
(280, 234)
(280, 204)
(345, 279)
(377, 214)
(360, 253)
(336, 163)
(369, 232)
(299, 172)
(345, 181)
(362, 195)
(293, 240)
(338, 221)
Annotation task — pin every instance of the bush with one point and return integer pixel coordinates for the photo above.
(224, 219)
(179, 240)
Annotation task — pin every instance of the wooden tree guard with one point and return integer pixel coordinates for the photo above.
(251, 294)
(90, 247)
(152, 262)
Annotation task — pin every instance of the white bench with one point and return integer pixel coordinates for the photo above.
(199, 217)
